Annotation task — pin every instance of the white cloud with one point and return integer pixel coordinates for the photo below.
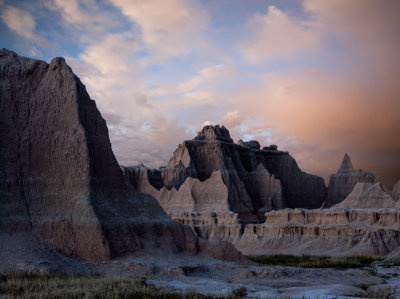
(232, 119)
(87, 16)
(276, 35)
(207, 77)
(207, 123)
(23, 23)
(169, 27)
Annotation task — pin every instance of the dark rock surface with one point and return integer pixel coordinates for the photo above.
(343, 182)
(58, 175)
(257, 180)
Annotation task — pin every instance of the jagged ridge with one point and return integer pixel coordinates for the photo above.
(258, 180)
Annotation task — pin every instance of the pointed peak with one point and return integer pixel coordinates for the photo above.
(211, 132)
(59, 62)
(346, 164)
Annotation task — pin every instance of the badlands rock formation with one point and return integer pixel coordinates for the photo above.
(343, 182)
(212, 174)
(59, 178)
(368, 196)
(326, 232)
(300, 231)
(218, 187)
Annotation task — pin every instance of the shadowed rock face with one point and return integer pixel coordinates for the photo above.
(58, 175)
(343, 182)
(396, 192)
(256, 180)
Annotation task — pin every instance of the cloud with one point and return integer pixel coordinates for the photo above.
(88, 16)
(170, 27)
(338, 93)
(312, 71)
(326, 101)
(277, 35)
(329, 115)
(232, 119)
(207, 123)
(367, 29)
(23, 23)
(318, 80)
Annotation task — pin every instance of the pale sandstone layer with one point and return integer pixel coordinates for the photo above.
(367, 223)
(368, 196)
(59, 178)
(300, 231)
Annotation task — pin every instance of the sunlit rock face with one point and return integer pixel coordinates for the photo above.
(343, 182)
(59, 178)
(213, 174)
(368, 196)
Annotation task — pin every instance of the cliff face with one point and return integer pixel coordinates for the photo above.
(58, 175)
(218, 188)
(249, 180)
(343, 182)
(336, 232)
(324, 232)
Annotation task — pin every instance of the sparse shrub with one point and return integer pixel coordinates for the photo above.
(307, 261)
(14, 289)
(85, 286)
(142, 281)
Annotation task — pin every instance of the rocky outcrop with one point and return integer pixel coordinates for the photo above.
(192, 196)
(250, 181)
(218, 188)
(343, 182)
(59, 178)
(324, 232)
(368, 196)
(251, 144)
(337, 232)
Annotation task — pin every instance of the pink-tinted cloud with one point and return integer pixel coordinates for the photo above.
(276, 35)
(318, 80)
(170, 27)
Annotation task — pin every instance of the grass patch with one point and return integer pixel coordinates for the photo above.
(309, 261)
(84, 286)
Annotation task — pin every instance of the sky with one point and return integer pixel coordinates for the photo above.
(317, 78)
